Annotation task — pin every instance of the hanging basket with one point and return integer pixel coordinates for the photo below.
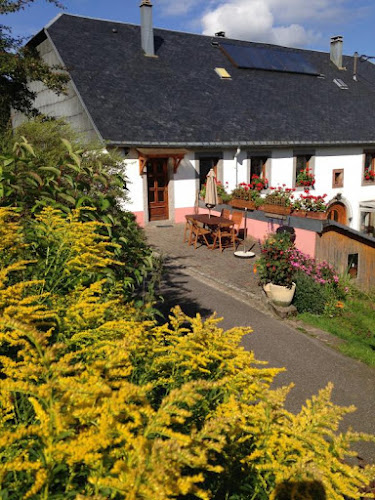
(236, 203)
(275, 209)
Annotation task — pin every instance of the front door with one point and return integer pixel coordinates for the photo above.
(157, 184)
(337, 212)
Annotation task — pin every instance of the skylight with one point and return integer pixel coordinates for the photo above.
(223, 73)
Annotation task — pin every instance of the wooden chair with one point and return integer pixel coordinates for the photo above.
(198, 232)
(237, 218)
(225, 213)
(188, 228)
(226, 236)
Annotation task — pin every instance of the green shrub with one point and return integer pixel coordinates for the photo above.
(310, 296)
(97, 403)
(274, 265)
(49, 166)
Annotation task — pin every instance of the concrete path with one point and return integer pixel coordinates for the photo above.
(310, 363)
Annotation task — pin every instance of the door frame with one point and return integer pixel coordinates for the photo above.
(342, 212)
(169, 175)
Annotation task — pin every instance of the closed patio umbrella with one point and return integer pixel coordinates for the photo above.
(211, 199)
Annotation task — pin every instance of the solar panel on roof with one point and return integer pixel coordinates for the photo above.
(270, 59)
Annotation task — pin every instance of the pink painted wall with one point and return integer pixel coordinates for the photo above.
(305, 240)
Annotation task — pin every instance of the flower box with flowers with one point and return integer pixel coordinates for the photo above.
(315, 207)
(245, 196)
(305, 178)
(369, 175)
(278, 201)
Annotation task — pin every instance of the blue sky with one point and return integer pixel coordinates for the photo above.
(296, 23)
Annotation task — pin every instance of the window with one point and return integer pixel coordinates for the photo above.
(258, 166)
(369, 168)
(367, 223)
(303, 175)
(338, 178)
(353, 265)
(205, 165)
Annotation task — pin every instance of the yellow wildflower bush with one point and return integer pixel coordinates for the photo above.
(91, 418)
(98, 403)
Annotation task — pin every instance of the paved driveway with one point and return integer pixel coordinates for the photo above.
(310, 363)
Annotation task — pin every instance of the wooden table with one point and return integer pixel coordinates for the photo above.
(214, 220)
(214, 223)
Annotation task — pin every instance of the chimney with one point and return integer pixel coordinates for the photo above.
(147, 32)
(336, 51)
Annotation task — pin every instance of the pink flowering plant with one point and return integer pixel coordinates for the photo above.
(280, 195)
(275, 263)
(322, 273)
(305, 178)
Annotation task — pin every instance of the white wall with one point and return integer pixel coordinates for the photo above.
(134, 184)
(185, 182)
(280, 170)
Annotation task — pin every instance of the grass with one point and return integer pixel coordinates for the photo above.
(355, 325)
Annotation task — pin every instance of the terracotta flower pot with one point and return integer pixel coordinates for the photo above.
(280, 295)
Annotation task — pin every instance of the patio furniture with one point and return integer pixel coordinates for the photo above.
(198, 232)
(225, 213)
(225, 235)
(188, 227)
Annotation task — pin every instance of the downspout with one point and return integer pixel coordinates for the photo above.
(236, 166)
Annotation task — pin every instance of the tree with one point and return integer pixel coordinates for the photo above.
(20, 64)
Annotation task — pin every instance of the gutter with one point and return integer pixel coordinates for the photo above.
(236, 144)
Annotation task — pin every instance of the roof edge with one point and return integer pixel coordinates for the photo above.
(100, 137)
(236, 144)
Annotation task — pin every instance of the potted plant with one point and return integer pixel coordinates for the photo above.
(315, 206)
(305, 178)
(275, 269)
(245, 196)
(278, 201)
(369, 174)
(258, 183)
(222, 194)
(298, 208)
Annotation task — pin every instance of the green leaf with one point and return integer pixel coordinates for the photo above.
(37, 178)
(54, 170)
(67, 145)
(67, 198)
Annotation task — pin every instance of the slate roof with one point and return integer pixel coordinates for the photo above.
(177, 99)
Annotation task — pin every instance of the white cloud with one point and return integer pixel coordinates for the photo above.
(272, 21)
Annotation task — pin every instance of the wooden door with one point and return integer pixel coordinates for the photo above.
(157, 184)
(337, 212)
